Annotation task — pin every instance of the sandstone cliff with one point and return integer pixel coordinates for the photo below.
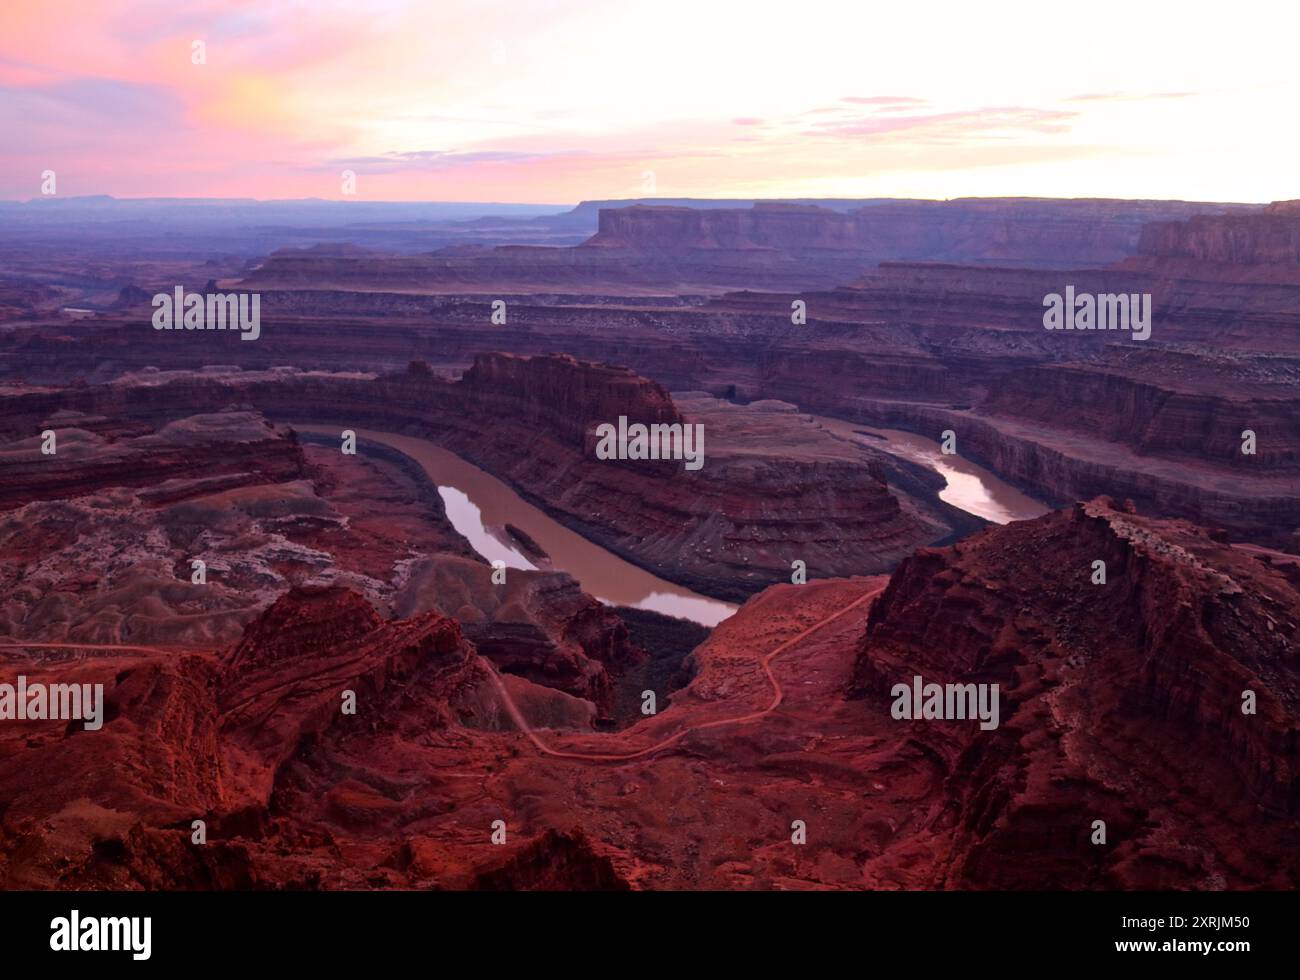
(250, 743)
(1117, 701)
(652, 248)
(774, 488)
(1007, 231)
(1260, 247)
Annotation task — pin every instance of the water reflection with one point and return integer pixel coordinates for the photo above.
(970, 487)
(479, 506)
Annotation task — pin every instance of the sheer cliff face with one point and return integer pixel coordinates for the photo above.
(1172, 420)
(770, 245)
(1044, 234)
(561, 394)
(1119, 700)
(1261, 247)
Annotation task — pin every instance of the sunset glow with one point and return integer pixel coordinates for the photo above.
(561, 101)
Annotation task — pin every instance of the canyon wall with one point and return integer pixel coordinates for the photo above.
(1005, 231)
(1259, 248)
(773, 488)
(920, 345)
(671, 249)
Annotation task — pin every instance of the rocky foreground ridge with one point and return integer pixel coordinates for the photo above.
(1120, 703)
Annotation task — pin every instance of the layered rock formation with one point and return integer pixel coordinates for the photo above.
(229, 450)
(1173, 680)
(114, 564)
(540, 626)
(995, 231)
(912, 347)
(561, 395)
(1119, 702)
(1260, 248)
(653, 248)
(328, 575)
(112, 560)
(245, 743)
(921, 346)
(774, 487)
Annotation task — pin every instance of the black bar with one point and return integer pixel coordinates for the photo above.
(603, 932)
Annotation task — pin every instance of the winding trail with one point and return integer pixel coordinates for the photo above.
(778, 692)
(778, 695)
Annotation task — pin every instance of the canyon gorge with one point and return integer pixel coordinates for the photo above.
(904, 475)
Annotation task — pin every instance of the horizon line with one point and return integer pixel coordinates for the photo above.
(546, 204)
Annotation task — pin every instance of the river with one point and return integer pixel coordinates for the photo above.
(479, 506)
(971, 487)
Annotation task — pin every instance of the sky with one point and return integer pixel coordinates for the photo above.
(557, 101)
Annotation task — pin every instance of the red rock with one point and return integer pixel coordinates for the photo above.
(1260, 247)
(727, 529)
(201, 454)
(1120, 702)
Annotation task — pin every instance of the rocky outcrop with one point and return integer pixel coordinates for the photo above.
(231, 740)
(554, 862)
(199, 454)
(1258, 247)
(263, 745)
(1117, 700)
(289, 679)
(560, 395)
(536, 625)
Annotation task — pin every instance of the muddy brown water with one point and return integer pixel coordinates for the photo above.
(971, 487)
(479, 506)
